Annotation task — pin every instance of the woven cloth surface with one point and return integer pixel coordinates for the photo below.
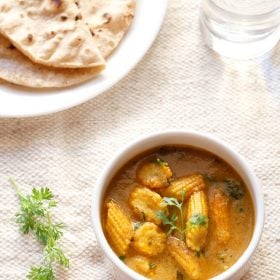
(180, 84)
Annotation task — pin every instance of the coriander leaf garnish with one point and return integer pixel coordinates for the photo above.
(171, 220)
(233, 189)
(152, 265)
(41, 273)
(210, 178)
(122, 258)
(172, 201)
(198, 220)
(35, 217)
(137, 225)
(161, 162)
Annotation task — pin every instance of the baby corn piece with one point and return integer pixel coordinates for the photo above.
(147, 203)
(149, 239)
(154, 174)
(187, 185)
(197, 223)
(118, 228)
(220, 210)
(142, 265)
(184, 257)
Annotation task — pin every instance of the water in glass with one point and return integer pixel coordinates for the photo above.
(241, 29)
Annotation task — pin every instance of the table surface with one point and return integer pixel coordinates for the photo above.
(180, 84)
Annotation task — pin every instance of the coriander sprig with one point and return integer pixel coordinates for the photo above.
(35, 216)
(171, 221)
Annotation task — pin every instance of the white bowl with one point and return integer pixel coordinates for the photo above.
(198, 140)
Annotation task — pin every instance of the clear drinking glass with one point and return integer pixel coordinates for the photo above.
(241, 29)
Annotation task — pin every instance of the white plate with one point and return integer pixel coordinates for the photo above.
(24, 102)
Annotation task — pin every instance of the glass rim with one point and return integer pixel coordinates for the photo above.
(238, 15)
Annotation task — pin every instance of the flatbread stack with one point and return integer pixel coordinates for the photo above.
(59, 43)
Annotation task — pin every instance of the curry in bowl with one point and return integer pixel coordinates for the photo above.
(178, 213)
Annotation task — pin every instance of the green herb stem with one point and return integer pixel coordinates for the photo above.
(182, 224)
(35, 216)
(171, 220)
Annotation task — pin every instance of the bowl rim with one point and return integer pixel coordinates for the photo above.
(256, 195)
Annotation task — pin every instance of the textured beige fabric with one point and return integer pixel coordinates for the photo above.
(179, 84)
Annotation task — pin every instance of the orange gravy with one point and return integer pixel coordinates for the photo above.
(183, 161)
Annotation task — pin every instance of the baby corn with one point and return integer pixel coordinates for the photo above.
(149, 239)
(184, 257)
(118, 228)
(197, 223)
(142, 265)
(155, 174)
(220, 208)
(187, 185)
(146, 203)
